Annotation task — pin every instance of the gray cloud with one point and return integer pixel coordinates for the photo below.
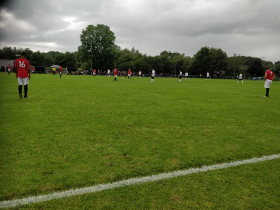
(246, 27)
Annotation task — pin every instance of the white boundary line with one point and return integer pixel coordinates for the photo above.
(128, 182)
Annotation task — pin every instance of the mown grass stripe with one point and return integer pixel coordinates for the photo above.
(102, 187)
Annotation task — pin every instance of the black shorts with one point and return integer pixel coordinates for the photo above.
(180, 77)
(153, 77)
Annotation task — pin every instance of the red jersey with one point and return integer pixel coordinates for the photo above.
(129, 71)
(60, 69)
(22, 66)
(269, 74)
(116, 72)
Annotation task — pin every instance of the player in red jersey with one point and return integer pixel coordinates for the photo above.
(129, 74)
(269, 77)
(9, 69)
(22, 70)
(60, 71)
(115, 74)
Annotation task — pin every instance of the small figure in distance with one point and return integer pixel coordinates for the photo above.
(153, 75)
(180, 76)
(187, 75)
(269, 77)
(60, 71)
(240, 78)
(207, 76)
(115, 74)
(129, 74)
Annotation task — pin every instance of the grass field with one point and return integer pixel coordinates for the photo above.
(80, 131)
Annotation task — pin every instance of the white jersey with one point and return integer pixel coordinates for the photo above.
(186, 74)
(139, 73)
(180, 73)
(153, 73)
(240, 76)
(208, 75)
(109, 72)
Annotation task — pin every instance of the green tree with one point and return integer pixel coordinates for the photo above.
(98, 45)
(70, 60)
(167, 67)
(256, 68)
(276, 68)
(60, 59)
(219, 61)
(210, 59)
(48, 60)
(7, 53)
(202, 62)
(37, 59)
(124, 60)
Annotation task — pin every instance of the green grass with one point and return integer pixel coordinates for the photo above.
(81, 131)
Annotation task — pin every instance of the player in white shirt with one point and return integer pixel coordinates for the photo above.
(139, 73)
(240, 77)
(109, 72)
(186, 75)
(153, 75)
(207, 76)
(180, 76)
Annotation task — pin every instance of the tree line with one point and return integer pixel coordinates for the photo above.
(98, 51)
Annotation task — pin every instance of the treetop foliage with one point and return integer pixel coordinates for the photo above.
(99, 51)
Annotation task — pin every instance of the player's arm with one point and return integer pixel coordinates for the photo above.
(273, 76)
(265, 76)
(29, 72)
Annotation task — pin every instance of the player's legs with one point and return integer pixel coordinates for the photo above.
(25, 82)
(20, 82)
(267, 85)
(25, 91)
(267, 92)
(20, 91)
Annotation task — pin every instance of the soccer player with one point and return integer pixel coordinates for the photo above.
(180, 76)
(9, 69)
(186, 75)
(207, 76)
(115, 74)
(240, 78)
(109, 72)
(93, 72)
(129, 74)
(22, 70)
(139, 73)
(269, 77)
(153, 75)
(60, 71)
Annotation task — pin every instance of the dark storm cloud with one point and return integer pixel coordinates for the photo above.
(248, 27)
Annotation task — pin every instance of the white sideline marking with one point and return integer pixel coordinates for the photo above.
(128, 182)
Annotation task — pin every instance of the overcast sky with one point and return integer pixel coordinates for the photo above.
(245, 27)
